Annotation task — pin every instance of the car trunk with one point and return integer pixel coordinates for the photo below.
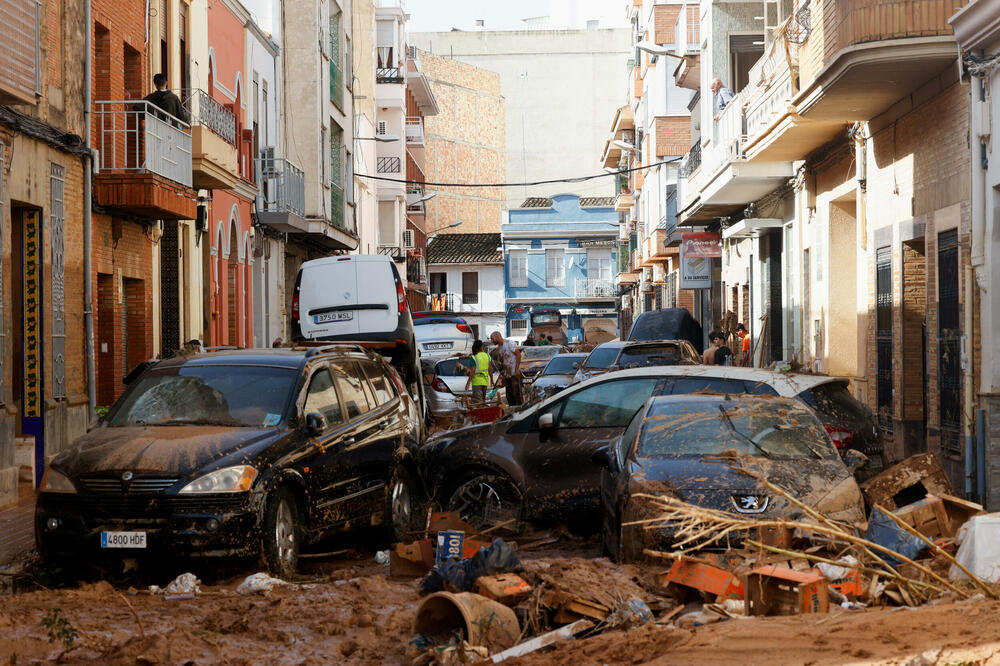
(333, 301)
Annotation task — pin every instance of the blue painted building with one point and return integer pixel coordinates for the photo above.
(559, 254)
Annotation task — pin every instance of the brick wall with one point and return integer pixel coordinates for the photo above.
(673, 135)
(664, 19)
(464, 143)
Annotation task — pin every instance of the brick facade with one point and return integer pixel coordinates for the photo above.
(672, 135)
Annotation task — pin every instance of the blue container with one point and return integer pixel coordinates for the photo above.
(449, 545)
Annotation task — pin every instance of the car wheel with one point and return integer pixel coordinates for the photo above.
(401, 505)
(281, 536)
(485, 499)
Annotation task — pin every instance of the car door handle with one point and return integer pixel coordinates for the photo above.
(347, 441)
(383, 424)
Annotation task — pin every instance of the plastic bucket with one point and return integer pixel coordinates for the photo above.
(482, 621)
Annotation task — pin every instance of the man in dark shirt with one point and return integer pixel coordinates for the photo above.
(166, 100)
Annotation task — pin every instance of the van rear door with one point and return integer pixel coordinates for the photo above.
(377, 296)
(328, 294)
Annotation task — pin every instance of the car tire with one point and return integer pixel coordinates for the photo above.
(402, 505)
(281, 533)
(484, 499)
(630, 544)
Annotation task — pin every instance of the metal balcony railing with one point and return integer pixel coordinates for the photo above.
(210, 113)
(442, 302)
(282, 186)
(389, 75)
(394, 251)
(692, 161)
(414, 129)
(337, 206)
(337, 84)
(388, 165)
(595, 287)
(416, 270)
(138, 137)
(20, 51)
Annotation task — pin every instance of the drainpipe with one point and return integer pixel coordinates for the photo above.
(968, 388)
(88, 277)
(981, 456)
(980, 110)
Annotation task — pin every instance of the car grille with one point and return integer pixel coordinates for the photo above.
(114, 485)
(96, 507)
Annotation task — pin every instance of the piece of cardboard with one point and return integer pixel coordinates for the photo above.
(923, 468)
(778, 591)
(411, 559)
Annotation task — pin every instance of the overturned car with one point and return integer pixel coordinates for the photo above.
(715, 452)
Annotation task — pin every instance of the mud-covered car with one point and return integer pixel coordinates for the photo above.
(698, 448)
(613, 356)
(557, 375)
(533, 359)
(235, 454)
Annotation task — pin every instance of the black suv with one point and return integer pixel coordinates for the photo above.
(238, 453)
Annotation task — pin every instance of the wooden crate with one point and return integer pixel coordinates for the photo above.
(928, 516)
(778, 591)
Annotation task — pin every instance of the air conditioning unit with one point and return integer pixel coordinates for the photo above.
(408, 239)
(627, 302)
(659, 275)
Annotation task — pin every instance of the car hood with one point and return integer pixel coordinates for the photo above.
(824, 485)
(166, 449)
(553, 380)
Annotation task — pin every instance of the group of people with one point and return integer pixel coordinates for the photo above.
(543, 340)
(508, 363)
(719, 353)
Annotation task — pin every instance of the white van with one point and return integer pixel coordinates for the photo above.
(357, 298)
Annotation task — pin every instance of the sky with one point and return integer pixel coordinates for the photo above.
(443, 15)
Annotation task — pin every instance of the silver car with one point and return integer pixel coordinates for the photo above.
(442, 334)
(444, 384)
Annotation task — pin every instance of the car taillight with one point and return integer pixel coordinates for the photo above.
(400, 297)
(295, 306)
(841, 437)
(463, 327)
(440, 386)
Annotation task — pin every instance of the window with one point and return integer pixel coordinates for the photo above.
(322, 155)
(351, 385)
(381, 128)
(518, 268)
(518, 327)
(470, 288)
(745, 51)
(685, 385)
(599, 265)
(606, 405)
(693, 25)
(322, 398)
(439, 283)
(336, 154)
(335, 37)
(380, 384)
(555, 268)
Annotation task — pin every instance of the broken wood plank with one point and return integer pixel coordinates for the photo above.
(542, 641)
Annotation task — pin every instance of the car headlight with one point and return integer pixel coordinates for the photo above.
(56, 482)
(234, 479)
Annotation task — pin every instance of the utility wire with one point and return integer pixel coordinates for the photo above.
(580, 179)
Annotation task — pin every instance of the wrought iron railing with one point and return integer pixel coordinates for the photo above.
(394, 251)
(337, 84)
(142, 138)
(416, 270)
(692, 161)
(282, 186)
(595, 287)
(388, 165)
(414, 129)
(337, 206)
(210, 113)
(389, 75)
(442, 302)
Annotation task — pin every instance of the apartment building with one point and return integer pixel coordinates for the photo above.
(838, 177)
(43, 369)
(649, 134)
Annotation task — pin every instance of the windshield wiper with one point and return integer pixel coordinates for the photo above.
(189, 421)
(732, 427)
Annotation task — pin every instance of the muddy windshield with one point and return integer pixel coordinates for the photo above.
(710, 427)
(602, 357)
(640, 357)
(562, 365)
(535, 353)
(230, 395)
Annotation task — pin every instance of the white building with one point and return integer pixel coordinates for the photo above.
(466, 276)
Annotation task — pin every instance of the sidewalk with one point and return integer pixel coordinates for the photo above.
(17, 532)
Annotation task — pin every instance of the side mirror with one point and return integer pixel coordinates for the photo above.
(602, 457)
(854, 459)
(546, 421)
(315, 424)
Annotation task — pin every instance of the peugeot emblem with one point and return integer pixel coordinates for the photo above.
(127, 476)
(750, 503)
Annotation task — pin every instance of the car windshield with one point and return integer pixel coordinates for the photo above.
(535, 353)
(645, 355)
(230, 395)
(710, 427)
(454, 367)
(562, 365)
(602, 357)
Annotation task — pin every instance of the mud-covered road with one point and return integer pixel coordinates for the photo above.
(346, 611)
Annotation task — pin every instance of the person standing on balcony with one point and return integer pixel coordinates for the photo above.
(723, 96)
(166, 100)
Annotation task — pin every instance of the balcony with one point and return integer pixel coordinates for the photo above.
(281, 199)
(337, 84)
(394, 251)
(414, 131)
(442, 302)
(20, 52)
(624, 201)
(389, 75)
(416, 269)
(595, 288)
(144, 161)
(388, 165)
(414, 203)
(214, 151)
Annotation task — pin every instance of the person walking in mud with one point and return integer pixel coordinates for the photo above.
(510, 365)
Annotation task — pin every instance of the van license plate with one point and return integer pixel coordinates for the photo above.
(123, 539)
(332, 316)
(439, 345)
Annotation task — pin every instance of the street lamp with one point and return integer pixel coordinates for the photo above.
(623, 145)
(450, 226)
(656, 50)
(428, 197)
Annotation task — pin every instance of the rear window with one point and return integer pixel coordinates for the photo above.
(562, 365)
(685, 385)
(709, 427)
(425, 319)
(546, 319)
(833, 399)
(638, 357)
(534, 353)
(602, 357)
(453, 367)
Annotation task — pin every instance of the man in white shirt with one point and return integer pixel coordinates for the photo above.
(510, 359)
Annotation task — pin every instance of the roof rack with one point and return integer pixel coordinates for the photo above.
(315, 349)
(220, 348)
